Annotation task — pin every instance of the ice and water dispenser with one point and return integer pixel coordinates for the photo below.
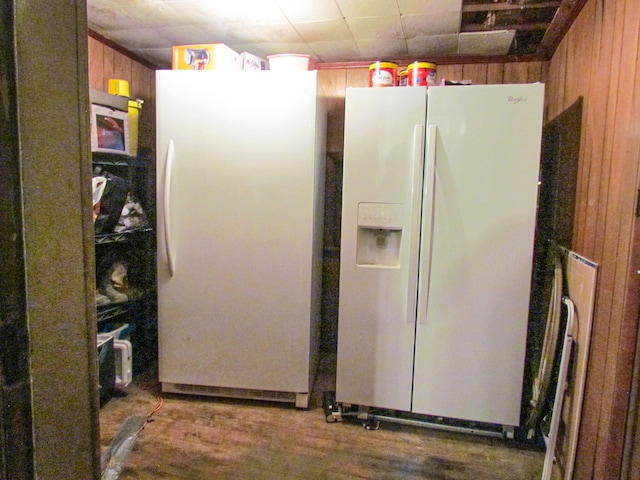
(379, 234)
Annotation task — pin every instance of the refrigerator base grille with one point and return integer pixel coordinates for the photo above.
(300, 399)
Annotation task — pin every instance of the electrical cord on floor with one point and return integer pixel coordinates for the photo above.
(121, 445)
(156, 408)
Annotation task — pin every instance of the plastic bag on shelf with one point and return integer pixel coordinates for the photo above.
(132, 216)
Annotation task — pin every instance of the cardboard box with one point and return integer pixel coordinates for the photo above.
(253, 62)
(213, 56)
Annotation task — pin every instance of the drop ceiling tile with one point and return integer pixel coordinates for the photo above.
(438, 24)
(420, 7)
(241, 32)
(421, 48)
(253, 11)
(316, 11)
(253, 48)
(140, 38)
(205, 34)
(381, 28)
(333, 30)
(165, 37)
(485, 43)
(373, 50)
(368, 8)
(111, 15)
(374, 29)
(338, 51)
(278, 48)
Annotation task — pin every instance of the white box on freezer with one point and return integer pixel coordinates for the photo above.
(253, 62)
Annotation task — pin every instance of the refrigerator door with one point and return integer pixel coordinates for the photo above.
(238, 182)
(477, 247)
(382, 183)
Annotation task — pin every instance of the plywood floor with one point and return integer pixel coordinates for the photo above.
(206, 438)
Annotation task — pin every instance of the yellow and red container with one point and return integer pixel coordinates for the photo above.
(121, 88)
(402, 78)
(421, 74)
(383, 74)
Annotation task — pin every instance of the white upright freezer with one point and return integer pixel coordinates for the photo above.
(240, 182)
(438, 217)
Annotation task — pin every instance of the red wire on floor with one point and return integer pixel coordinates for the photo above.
(156, 408)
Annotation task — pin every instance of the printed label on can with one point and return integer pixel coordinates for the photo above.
(383, 74)
(422, 74)
(382, 78)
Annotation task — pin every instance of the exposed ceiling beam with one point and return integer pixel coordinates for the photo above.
(565, 16)
(521, 27)
(495, 7)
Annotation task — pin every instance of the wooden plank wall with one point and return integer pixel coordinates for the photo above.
(106, 63)
(598, 59)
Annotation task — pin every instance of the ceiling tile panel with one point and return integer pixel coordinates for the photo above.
(316, 11)
(247, 32)
(141, 37)
(381, 28)
(113, 15)
(387, 50)
(264, 49)
(164, 37)
(485, 43)
(368, 8)
(420, 7)
(339, 51)
(254, 11)
(184, 35)
(438, 24)
(421, 48)
(334, 30)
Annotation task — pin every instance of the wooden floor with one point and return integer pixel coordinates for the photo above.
(208, 438)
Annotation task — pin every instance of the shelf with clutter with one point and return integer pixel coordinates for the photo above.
(123, 187)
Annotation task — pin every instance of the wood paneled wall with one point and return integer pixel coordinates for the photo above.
(598, 59)
(106, 63)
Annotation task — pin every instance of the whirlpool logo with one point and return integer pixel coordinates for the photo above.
(516, 100)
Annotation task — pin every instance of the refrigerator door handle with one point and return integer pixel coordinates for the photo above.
(166, 205)
(416, 194)
(426, 240)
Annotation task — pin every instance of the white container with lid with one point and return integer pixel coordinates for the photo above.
(288, 62)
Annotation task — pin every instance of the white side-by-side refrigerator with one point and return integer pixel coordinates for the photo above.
(240, 179)
(438, 218)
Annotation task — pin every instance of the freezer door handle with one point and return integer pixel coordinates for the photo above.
(426, 237)
(416, 194)
(166, 206)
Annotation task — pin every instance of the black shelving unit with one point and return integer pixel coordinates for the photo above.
(133, 249)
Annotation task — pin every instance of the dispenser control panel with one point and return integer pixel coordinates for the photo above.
(379, 235)
(387, 216)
